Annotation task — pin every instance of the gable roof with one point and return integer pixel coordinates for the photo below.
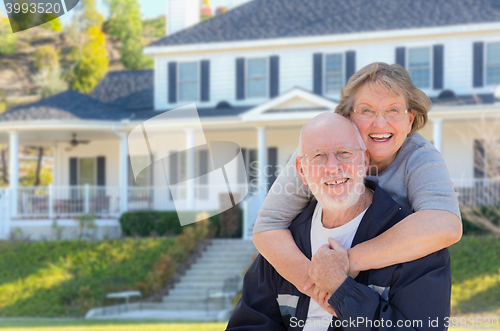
(68, 105)
(130, 90)
(297, 103)
(270, 19)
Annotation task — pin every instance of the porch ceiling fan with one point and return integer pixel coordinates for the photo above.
(74, 142)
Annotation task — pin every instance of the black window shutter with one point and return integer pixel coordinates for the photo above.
(272, 161)
(477, 64)
(438, 67)
(400, 56)
(205, 80)
(318, 73)
(73, 171)
(172, 82)
(101, 171)
(240, 78)
(274, 74)
(350, 64)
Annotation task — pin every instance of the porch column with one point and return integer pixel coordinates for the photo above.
(438, 134)
(13, 174)
(190, 162)
(262, 157)
(123, 172)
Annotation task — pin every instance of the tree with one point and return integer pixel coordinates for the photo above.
(90, 57)
(92, 61)
(50, 81)
(125, 24)
(154, 27)
(8, 40)
(87, 16)
(46, 56)
(54, 25)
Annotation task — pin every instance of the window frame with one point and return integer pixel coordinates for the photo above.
(342, 74)
(485, 66)
(198, 90)
(431, 65)
(247, 78)
(79, 183)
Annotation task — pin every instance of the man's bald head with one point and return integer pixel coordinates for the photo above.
(328, 127)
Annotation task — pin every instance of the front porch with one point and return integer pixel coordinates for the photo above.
(39, 207)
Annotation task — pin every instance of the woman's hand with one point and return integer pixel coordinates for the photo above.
(329, 266)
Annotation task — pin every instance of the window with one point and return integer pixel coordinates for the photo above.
(188, 81)
(334, 73)
(86, 171)
(257, 77)
(493, 64)
(145, 176)
(419, 66)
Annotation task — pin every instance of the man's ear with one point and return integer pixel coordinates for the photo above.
(300, 169)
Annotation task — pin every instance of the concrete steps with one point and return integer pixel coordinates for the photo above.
(223, 258)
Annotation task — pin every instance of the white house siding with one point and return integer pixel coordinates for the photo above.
(458, 140)
(296, 65)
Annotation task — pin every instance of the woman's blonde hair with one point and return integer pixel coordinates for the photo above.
(396, 80)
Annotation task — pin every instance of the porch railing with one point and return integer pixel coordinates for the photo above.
(67, 201)
(478, 192)
(104, 201)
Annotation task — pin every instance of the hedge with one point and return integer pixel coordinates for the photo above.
(470, 228)
(166, 223)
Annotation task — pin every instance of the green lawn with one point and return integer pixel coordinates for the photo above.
(66, 278)
(475, 270)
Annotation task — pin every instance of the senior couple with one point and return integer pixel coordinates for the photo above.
(369, 250)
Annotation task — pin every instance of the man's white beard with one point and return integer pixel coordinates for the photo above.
(338, 203)
(343, 202)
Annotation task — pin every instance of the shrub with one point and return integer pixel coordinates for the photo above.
(46, 56)
(230, 223)
(166, 223)
(489, 213)
(8, 40)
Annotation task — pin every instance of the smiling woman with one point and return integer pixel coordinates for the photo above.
(388, 110)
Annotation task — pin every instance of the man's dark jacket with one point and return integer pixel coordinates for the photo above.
(413, 292)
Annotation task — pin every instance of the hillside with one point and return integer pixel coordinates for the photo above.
(17, 70)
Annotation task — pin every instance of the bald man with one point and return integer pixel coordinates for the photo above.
(346, 211)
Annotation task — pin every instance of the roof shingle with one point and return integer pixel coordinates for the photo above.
(270, 19)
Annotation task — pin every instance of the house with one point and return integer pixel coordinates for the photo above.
(256, 75)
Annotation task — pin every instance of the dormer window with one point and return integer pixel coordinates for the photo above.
(189, 82)
(334, 73)
(419, 66)
(257, 78)
(493, 64)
